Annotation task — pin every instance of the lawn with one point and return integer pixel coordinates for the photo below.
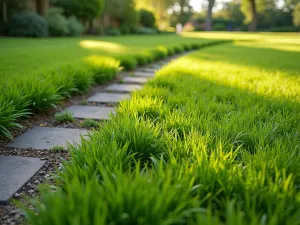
(23, 56)
(38, 73)
(212, 139)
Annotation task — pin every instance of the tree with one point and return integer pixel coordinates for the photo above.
(9, 7)
(209, 15)
(86, 10)
(159, 7)
(254, 19)
(252, 9)
(122, 11)
(296, 15)
(147, 18)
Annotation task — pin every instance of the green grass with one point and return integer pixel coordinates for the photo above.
(57, 148)
(212, 139)
(64, 117)
(89, 123)
(37, 74)
(22, 56)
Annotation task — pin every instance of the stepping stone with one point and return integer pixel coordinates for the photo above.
(156, 66)
(47, 137)
(149, 70)
(164, 62)
(123, 87)
(143, 74)
(16, 171)
(90, 112)
(103, 97)
(135, 80)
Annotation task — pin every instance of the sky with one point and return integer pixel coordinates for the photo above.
(196, 4)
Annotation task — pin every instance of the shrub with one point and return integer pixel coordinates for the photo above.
(75, 27)
(125, 29)
(146, 30)
(147, 18)
(27, 24)
(128, 62)
(63, 117)
(283, 29)
(113, 31)
(57, 24)
(219, 27)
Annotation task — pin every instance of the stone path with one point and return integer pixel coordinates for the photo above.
(42, 138)
(103, 97)
(16, 171)
(90, 112)
(123, 88)
(135, 80)
(143, 74)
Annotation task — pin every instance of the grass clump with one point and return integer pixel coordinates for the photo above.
(128, 62)
(179, 49)
(57, 148)
(102, 68)
(141, 59)
(64, 117)
(141, 137)
(9, 117)
(89, 123)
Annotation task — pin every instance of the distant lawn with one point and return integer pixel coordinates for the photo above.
(20, 56)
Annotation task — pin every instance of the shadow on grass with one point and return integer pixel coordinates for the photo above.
(265, 58)
(233, 114)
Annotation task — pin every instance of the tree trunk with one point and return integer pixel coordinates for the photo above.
(209, 15)
(42, 6)
(181, 18)
(91, 26)
(253, 24)
(4, 11)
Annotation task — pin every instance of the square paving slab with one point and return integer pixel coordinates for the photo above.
(90, 112)
(155, 66)
(144, 74)
(123, 87)
(47, 137)
(149, 70)
(103, 97)
(135, 80)
(14, 173)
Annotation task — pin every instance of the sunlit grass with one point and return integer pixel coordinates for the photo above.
(23, 56)
(212, 139)
(101, 45)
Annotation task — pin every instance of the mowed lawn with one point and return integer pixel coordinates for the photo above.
(23, 56)
(212, 139)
